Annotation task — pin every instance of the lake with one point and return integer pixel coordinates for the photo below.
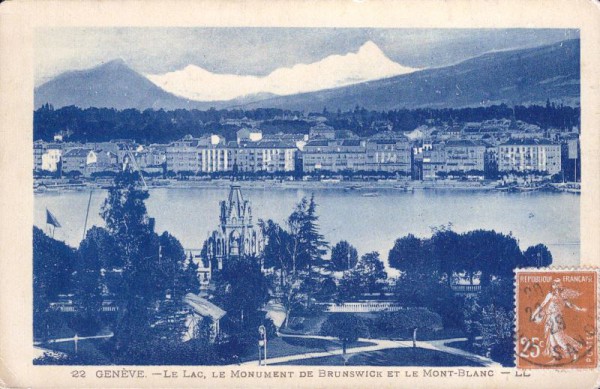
(368, 223)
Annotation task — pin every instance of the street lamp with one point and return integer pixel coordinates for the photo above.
(76, 340)
(262, 346)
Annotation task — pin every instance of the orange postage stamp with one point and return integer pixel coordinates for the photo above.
(556, 319)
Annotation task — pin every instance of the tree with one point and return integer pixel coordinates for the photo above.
(371, 268)
(537, 256)
(281, 254)
(472, 318)
(350, 286)
(448, 254)
(53, 263)
(281, 248)
(124, 212)
(168, 321)
(155, 275)
(492, 254)
(409, 255)
(345, 327)
(497, 333)
(491, 315)
(204, 330)
(88, 278)
(176, 274)
(291, 252)
(309, 246)
(343, 256)
(242, 290)
(429, 291)
(368, 276)
(314, 244)
(326, 289)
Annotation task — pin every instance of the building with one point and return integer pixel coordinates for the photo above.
(334, 155)
(77, 159)
(236, 236)
(209, 154)
(157, 155)
(451, 156)
(47, 155)
(529, 155)
(388, 155)
(212, 154)
(297, 139)
(182, 155)
(101, 161)
(248, 135)
(464, 156)
(269, 156)
(571, 161)
(433, 160)
(321, 130)
(51, 159)
(39, 147)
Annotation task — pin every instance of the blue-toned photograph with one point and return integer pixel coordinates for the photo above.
(298, 196)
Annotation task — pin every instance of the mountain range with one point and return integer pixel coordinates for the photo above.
(367, 64)
(367, 78)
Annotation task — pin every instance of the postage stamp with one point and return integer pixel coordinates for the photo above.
(271, 194)
(557, 319)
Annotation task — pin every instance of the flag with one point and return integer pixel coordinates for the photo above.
(51, 219)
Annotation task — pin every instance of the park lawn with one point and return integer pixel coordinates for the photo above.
(285, 346)
(466, 346)
(479, 350)
(87, 350)
(391, 357)
(445, 333)
(311, 325)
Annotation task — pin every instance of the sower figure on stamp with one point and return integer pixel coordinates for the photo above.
(558, 343)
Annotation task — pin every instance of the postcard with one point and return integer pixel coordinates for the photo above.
(332, 194)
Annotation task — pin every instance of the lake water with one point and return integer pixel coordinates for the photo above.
(368, 223)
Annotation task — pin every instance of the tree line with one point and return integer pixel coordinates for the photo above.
(160, 126)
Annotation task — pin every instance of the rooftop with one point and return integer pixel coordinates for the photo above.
(317, 143)
(463, 143)
(78, 152)
(351, 142)
(527, 142)
(203, 307)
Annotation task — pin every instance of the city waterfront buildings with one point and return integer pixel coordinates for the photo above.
(425, 153)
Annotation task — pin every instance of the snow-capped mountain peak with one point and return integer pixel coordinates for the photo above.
(368, 63)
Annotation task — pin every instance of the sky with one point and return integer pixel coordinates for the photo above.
(259, 51)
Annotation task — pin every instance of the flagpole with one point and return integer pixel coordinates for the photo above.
(86, 215)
